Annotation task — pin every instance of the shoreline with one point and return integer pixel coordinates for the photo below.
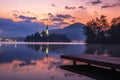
(54, 43)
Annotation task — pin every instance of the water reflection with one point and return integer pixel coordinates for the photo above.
(104, 50)
(23, 63)
(46, 48)
(58, 49)
(41, 62)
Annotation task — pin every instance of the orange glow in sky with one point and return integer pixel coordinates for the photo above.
(81, 10)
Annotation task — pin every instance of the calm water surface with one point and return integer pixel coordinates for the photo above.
(42, 62)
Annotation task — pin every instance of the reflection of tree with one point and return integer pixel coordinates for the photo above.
(46, 48)
(105, 50)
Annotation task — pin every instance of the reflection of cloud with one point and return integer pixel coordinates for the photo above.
(26, 64)
(67, 62)
(106, 54)
(46, 62)
(69, 7)
(69, 75)
(43, 70)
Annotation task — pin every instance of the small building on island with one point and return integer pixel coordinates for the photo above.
(45, 36)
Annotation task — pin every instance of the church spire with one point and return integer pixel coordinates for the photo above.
(47, 31)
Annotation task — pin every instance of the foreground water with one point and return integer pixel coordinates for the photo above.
(42, 62)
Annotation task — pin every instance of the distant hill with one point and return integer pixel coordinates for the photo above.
(73, 32)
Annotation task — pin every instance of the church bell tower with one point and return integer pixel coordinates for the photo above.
(47, 31)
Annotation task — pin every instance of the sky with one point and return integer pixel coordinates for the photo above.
(24, 17)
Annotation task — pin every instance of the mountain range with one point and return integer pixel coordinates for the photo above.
(75, 31)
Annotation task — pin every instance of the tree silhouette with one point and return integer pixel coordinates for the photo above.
(115, 30)
(95, 30)
(115, 21)
(42, 37)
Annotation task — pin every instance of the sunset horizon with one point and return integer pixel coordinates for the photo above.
(59, 39)
(30, 16)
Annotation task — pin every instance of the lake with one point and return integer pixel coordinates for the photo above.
(42, 62)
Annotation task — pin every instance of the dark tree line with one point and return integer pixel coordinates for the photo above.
(42, 37)
(98, 31)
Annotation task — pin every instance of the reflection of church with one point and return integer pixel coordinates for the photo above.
(45, 49)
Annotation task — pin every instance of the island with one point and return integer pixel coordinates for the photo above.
(45, 36)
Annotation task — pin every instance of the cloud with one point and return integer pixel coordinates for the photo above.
(26, 17)
(54, 5)
(82, 7)
(60, 16)
(96, 13)
(72, 21)
(110, 5)
(69, 7)
(50, 15)
(15, 11)
(15, 15)
(63, 23)
(96, 2)
(56, 19)
(22, 12)
(10, 28)
(45, 19)
(64, 16)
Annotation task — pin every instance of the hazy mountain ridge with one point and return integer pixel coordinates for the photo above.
(74, 31)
